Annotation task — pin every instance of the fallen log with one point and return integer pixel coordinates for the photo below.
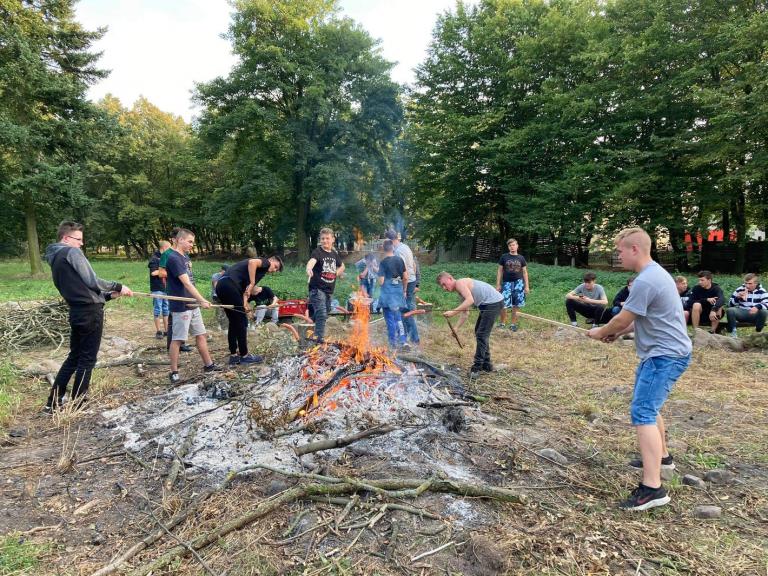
(342, 441)
(178, 461)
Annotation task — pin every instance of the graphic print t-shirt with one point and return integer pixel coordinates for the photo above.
(513, 265)
(324, 270)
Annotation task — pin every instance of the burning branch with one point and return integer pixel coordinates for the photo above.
(343, 441)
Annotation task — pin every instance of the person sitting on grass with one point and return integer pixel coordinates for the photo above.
(618, 301)
(748, 304)
(681, 282)
(706, 301)
(263, 297)
(512, 282)
(587, 299)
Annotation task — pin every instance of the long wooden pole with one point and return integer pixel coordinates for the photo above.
(555, 322)
(453, 331)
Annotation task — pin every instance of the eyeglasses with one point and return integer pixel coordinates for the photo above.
(75, 238)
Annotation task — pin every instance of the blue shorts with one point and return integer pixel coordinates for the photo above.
(160, 305)
(513, 293)
(654, 379)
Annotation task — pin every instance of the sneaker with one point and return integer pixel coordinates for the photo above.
(234, 359)
(185, 348)
(501, 326)
(644, 498)
(734, 334)
(47, 410)
(575, 324)
(159, 335)
(488, 368)
(213, 367)
(251, 359)
(165, 334)
(513, 327)
(174, 378)
(667, 463)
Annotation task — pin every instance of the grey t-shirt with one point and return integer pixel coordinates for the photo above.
(404, 251)
(660, 323)
(596, 293)
(484, 293)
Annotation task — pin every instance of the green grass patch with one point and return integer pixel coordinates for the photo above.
(19, 556)
(9, 393)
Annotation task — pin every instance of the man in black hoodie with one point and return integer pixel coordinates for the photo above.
(86, 294)
(706, 301)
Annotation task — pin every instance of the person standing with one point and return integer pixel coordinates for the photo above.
(488, 301)
(512, 282)
(654, 312)
(186, 321)
(235, 288)
(323, 267)
(403, 251)
(367, 274)
(157, 287)
(393, 279)
(164, 274)
(85, 294)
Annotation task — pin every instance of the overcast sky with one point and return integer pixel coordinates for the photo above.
(160, 48)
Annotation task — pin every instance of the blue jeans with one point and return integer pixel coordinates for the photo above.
(410, 304)
(320, 302)
(736, 315)
(654, 379)
(160, 306)
(395, 328)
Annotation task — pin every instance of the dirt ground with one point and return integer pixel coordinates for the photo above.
(68, 486)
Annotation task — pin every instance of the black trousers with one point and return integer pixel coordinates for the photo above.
(483, 328)
(589, 311)
(237, 334)
(86, 327)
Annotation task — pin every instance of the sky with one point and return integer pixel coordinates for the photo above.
(159, 48)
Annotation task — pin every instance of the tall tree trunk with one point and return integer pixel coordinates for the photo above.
(302, 215)
(726, 225)
(740, 213)
(33, 243)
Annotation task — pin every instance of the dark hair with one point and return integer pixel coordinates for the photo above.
(705, 274)
(631, 279)
(590, 277)
(66, 228)
(225, 267)
(279, 260)
(174, 232)
(388, 245)
(390, 234)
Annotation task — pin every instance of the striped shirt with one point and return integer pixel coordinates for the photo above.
(758, 298)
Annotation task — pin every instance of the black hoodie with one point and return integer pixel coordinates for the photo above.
(75, 279)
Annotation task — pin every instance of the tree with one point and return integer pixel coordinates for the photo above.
(45, 121)
(304, 118)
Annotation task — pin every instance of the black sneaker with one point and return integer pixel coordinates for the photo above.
(159, 335)
(667, 463)
(644, 498)
(174, 378)
(234, 359)
(213, 367)
(185, 348)
(251, 359)
(47, 410)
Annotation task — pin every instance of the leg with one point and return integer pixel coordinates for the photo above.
(165, 312)
(231, 333)
(59, 387)
(715, 321)
(169, 337)
(651, 451)
(157, 312)
(695, 314)
(730, 314)
(663, 433)
(760, 320)
(173, 354)
(570, 309)
(275, 312)
(411, 329)
(483, 327)
(319, 304)
(503, 316)
(89, 349)
(197, 329)
(390, 318)
(241, 330)
(202, 348)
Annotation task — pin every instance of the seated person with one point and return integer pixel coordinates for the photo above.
(685, 294)
(618, 301)
(706, 300)
(748, 304)
(263, 296)
(588, 299)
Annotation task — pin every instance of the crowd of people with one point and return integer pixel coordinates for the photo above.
(652, 305)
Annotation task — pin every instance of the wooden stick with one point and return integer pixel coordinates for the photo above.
(165, 297)
(229, 306)
(453, 331)
(435, 551)
(555, 322)
(342, 441)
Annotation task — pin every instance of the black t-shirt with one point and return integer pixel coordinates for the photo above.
(513, 265)
(177, 266)
(324, 270)
(392, 268)
(700, 294)
(155, 282)
(621, 296)
(238, 273)
(264, 297)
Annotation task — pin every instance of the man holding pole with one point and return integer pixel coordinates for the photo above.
(654, 312)
(186, 321)
(85, 294)
(488, 301)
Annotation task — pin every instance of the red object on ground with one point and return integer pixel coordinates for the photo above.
(290, 307)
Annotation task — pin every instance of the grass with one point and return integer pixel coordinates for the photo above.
(549, 284)
(19, 556)
(9, 394)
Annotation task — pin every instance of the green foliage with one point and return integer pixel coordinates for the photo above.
(9, 394)
(19, 556)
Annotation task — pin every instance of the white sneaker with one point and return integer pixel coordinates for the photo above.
(575, 324)
(734, 334)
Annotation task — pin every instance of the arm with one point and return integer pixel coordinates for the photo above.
(622, 323)
(405, 281)
(499, 271)
(340, 270)
(572, 295)
(310, 264)
(253, 265)
(525, 280)
(80, 263)
(464, 292)
(720, 299)
(603, 300)
(184, 279)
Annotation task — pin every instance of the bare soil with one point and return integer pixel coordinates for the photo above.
(550, 391)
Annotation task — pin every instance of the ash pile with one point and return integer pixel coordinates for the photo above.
(331, 402)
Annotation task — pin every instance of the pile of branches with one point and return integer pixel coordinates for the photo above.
(28, 326)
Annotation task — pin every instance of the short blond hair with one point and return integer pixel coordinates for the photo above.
(443, 275)
(326, 231)
(643, 240)
(680, 279)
